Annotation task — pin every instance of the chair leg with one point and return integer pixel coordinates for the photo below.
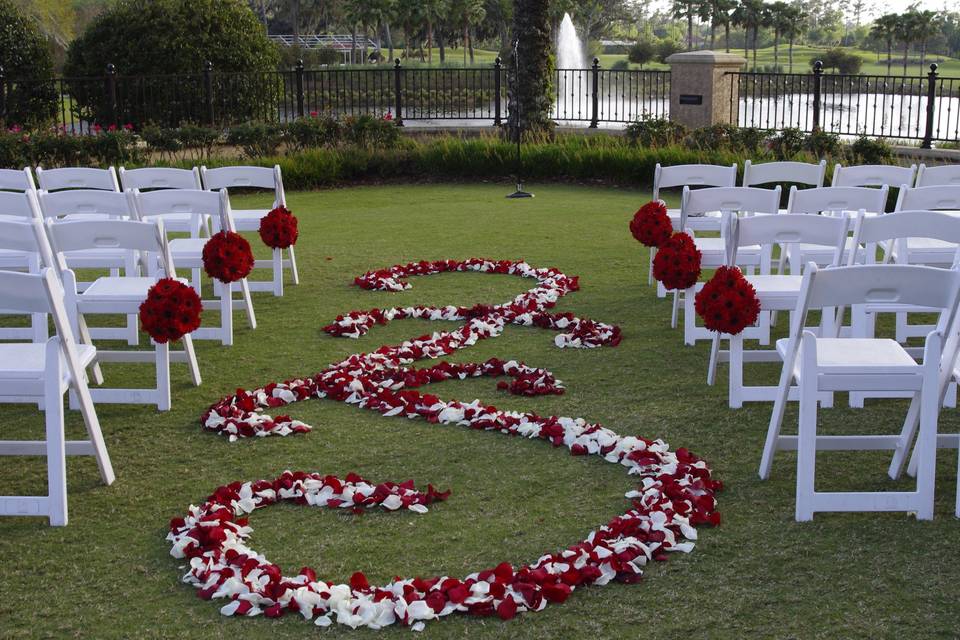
(653, 252)
(927, 439)
(734, 393)
(689, 317)
(192, 363)
(56, 441)
(248, 303)
(675, 309)
(225, 290)
(807, 435)
(162, 354)
(776, 419)
(278, 272)
(906, 439)
(294, 273)
(84, 334)
(133, 322)
(956, 512)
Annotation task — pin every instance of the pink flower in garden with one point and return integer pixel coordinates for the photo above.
(97, 128)
(314, 114)
(128, 127)
(112, 128)
(16, 129)
(388, 116)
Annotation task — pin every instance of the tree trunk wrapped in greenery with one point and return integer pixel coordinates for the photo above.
(530, 96)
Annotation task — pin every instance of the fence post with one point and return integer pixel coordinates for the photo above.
(208, 90)
(398, 91)
(497, 69)
(931, 102)
(595, 94)
(817, 78)
(3, 98)
(110, 89)
(300, 98)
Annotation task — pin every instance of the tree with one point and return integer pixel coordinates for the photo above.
(530, 90)
(25, 57)
(926, 25)
(686, 9)
(148, 37)
(468, 13)
(779, 17)
(794, 24)
(906, 33)
(750, 14)
(642, 52)
(717, 13)
(885, 29)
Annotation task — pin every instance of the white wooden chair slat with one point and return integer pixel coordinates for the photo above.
(150, 178)
(17, 180)
(77, 178)
(781, 172)
(947, 174)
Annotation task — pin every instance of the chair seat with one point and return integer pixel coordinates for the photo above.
(26, 361)
(249, 219)
(776, 291)
(708, 222)
(186, 247)
(858, 356)
(119, 289)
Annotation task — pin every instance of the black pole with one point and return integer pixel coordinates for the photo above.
(497, 66)
(931, 107)
(299, 80)
(208, 91)
(594, 94)
(817, 77)
(398, 92)
(111, 93)
(519, 193)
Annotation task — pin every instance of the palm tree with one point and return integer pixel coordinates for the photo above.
(686, 9)
(750, 14)
(721, 15)
(927, 24)
(884, 29)
(468, 13)
(794, 24)
(778, 17)
(906, 33)
(529, 96)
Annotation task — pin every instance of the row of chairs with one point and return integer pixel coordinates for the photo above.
(154, 178)
(818, 361)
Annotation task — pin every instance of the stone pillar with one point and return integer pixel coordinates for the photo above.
(700, 88)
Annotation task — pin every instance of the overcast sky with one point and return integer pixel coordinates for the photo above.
(878, 7)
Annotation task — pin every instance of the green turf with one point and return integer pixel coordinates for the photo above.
(109, 574)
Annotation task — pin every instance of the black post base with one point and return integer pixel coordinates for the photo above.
(520, 193)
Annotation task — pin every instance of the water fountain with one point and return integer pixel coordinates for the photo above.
(573, 89)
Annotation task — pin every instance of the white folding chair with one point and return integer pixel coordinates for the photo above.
(947, 174)
(774, 291)
(91, 204)
(782, 173)
(854, 364)
(249, 219)
(150, 178)
(690, 175)
(17, 180)
(872, 175)
(730, 201)
(124, 294)
(77, 178)
(40, 373)
(188, 252)
(18, 253)
(896, 228)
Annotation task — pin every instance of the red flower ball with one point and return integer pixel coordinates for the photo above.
(728, 302)
(677, 263)
(171, 310)
(278, 229)
(227, 257)
(651, 225)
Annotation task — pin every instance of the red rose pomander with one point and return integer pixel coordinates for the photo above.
(677, 263)
(278, 229)
(171, 310)
(227, 257)
(728, 302)
(651, 225)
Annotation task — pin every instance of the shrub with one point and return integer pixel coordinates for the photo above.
(823, 144)
(620, 65)
(367, 130)
(786, 144)
(656, 132)
(866, 150)
(25, 57)
(257, 140)
(145, 37)
(841, 60)
(666, 48)
(642, 52)
(314, 131)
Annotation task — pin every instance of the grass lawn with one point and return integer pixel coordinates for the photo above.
(109, 574)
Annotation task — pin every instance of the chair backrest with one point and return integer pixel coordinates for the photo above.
(941, 175)
(16, 180)
(779, 172)
(19, 205)
(827, 231)
(687, 175)
(165, 202)
(86, 202)
(837, 199)
(939, 197)
(245, 177)
(881, 283)
(160, 178)
(905, 224)
(728, 200)
(872, 175)
(131, 235)
(28, 236)
(77, 178)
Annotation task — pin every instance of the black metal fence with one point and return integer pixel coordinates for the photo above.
(925, 108)
(215, 98)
